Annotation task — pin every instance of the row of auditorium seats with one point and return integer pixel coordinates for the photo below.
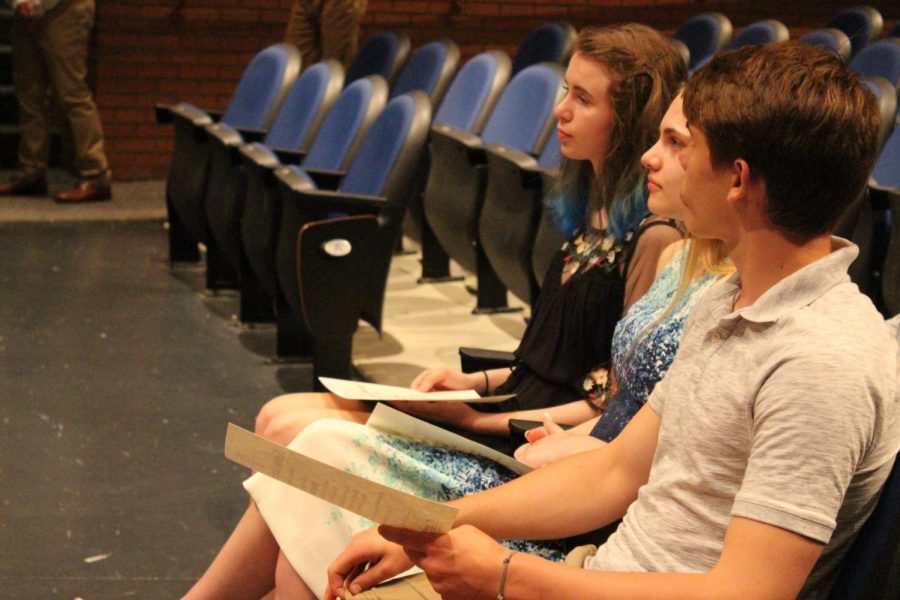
(249, 209)
(482, 201)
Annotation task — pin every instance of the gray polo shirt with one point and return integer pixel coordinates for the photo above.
(785, 412)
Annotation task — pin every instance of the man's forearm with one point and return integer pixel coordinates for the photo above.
(530, 577)
(575, 495)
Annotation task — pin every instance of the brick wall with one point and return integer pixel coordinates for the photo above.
(149, 51)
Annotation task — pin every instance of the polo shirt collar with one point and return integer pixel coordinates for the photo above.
(796, 290)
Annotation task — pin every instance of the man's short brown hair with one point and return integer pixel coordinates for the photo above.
(800, 118)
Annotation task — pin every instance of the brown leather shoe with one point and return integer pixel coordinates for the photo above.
(85, 191)
(20, 184)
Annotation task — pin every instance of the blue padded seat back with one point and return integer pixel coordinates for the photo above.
(858, 566)
(340, 129)
(550, 157)
(299, 110)
(862, 24)
(521, 115)
(886, 95)
(551, 42)
(262, 86)
(465, 101)
(881, 58)
(831, 39)
(379, 150)
(379, 55)
(767, 31)
(886, 172)
(424, 68)
(704, 35)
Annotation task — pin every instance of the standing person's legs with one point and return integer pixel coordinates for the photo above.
(340, 28)
(64, 41)
(303, 30)
(31, 86)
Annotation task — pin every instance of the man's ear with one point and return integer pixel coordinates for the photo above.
(741, 182)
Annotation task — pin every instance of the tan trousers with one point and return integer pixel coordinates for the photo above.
(416, 587)
(53, 58)
(325, 29)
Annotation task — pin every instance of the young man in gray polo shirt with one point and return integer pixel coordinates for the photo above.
(761, 453)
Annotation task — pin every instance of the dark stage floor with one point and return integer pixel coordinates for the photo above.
(117, 378)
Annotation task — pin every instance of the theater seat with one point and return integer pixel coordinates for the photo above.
(551, 42)
(867, 222)
(522, 120)
(323, 303)
(382, 53)
(466, 106)
(767, 31)
(864, 572)
(830, 39)
(704, 35)
(880, 58)
(509, 219)
(862, 24)
(295, 125)
(337, 141)
(429, 69)
(253, 105)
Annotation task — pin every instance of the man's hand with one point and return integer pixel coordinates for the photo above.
(463, 563)
(366, 561)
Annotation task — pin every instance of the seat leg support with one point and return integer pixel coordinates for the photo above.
(435, 262)
(491, 293)
(256, 306)
(292, 341)
(182, 247)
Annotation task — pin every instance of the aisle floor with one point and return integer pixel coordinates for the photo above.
(117, 377)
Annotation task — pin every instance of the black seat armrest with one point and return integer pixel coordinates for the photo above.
(259, 155)
(225, 134)
(163, 113)
(251, 134)
(531, 172)
(190, 114)
(331, 201)
(518, 427)
(326, 179)
(479, 359)
(289, 157)
(475, 148)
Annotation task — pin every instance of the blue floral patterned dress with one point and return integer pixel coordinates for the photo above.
(312, 532)
(644, 344)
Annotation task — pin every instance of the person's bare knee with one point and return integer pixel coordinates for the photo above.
(288, 584)
(277, 406)
(283, 428)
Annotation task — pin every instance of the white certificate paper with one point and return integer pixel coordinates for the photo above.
(368, 499)
(360, 390)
